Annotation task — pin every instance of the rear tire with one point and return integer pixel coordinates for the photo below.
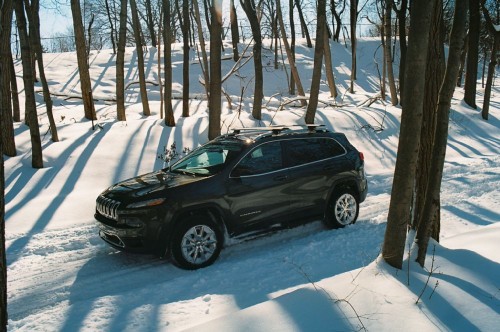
(343, 209)
(196, 243)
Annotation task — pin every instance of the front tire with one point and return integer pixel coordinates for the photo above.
(196, 243)
(342, 210)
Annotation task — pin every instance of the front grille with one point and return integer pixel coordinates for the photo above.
(107, 207)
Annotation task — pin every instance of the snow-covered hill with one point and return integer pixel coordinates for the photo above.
(62, 277)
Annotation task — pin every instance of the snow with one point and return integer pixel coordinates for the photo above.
(63, 277)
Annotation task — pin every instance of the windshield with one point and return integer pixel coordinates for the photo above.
(208, 159)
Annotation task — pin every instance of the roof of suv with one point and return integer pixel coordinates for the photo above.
(257, 133)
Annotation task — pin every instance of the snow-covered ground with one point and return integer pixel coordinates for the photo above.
(63, 277)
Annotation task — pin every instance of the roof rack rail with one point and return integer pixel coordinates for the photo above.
(274, 129)
(310, 127)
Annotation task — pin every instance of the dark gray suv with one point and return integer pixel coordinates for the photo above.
(244, 183)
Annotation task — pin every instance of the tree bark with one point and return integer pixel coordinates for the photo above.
(150, 22)
(292, 42)
(29, 90)
(201, 38)
(318, 62)
(215, 104)
(354, 20)
(167, 51)
(120, 63)
(401, 14)
(34, 19)
(250, 11)
(409, 137)
(328, 65)
(303, 24)
(111, 25)
(185, 62)
(439, 148)
(387, 51)
(290, 56)
(140, 58)
(493, 61)
(3, 261)
(83, 67)
(235, 35)
(472, 54)
(6, 125)
(433, 79)
(14, 90)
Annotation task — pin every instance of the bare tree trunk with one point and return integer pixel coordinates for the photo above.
(463, 54)
(14, 90)
(140, 58)
(303, 23)
(201, 38)
(439, 148)
(6, 125)
(167, 46)
(215, 104)
(83, 66)
(3, 261)
(160, 84)
(433, 79)
(249, 8)
(354, 22)
(150, 22)
(387, 52)
(120, 63)
(185, 62)
(337, 16)
(409, 137)
(401, 14)
(318, 59)
(328, 65)
(472, 54)
(111, 25)
(29, 90)
(289, 55)
(235, 35)
(33, 18)
(493, 60)
(292, 44)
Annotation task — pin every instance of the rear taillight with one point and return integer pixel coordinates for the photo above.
(361, 156)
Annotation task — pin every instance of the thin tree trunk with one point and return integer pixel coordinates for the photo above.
(83, 66)
(354, 19)
(249, 8)
(292, 43)
(167, 46)
(289, 54)
(33, 17)
(328, 65)
(3, 260)
(215, 104)
(493, 60)
(29, 91)
(120, 64)
(140, 58)
(387, 53)
(401, 13)
(150, 22)
(472, 54)
(111, 25)
(409, 137)
(185, 62)
(14, 90)
(235, 35)
(201, 38)
(6, 125)
(303, 24)
(463, 55)
(439, 149)
(319, 50)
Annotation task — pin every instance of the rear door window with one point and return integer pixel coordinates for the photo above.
(304, 151)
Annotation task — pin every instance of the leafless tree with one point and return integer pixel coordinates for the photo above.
(387, 51)
(318, 62)
(83, 66)
(409, 138)
(167, 64)
(440, 142)
(7, 135)
(214, 103)
(120, 63)
(185, 62)
(235, 35)
(472, 54)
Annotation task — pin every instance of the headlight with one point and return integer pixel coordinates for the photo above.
(148, 203)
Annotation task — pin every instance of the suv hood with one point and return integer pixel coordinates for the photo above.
(147, 184)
